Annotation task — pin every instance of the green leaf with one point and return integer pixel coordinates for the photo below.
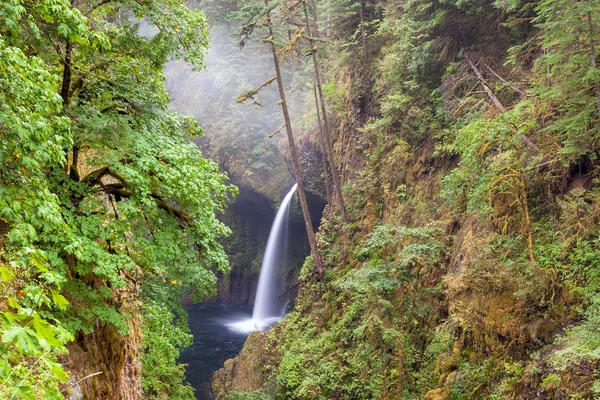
(45, 331)
(22, 337)
(59, 300)
(64, 30)
(58, 371)
(6, 274)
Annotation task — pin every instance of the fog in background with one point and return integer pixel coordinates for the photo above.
(236, 135)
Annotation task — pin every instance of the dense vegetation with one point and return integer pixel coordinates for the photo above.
(107, 209)
(458, 142)
(466, 133)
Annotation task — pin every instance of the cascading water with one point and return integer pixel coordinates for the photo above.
(266, 310)
(265, 304)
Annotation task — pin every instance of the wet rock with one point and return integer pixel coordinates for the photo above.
(242, 373)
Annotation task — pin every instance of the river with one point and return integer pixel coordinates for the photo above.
(214, 343)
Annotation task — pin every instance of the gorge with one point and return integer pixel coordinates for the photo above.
(444, 244)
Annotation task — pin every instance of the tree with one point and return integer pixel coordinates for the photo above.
(32, 134)
(568, 76)
(326, 139)
(296, 165)
(260, 16)
(323, 148)
(104, 193)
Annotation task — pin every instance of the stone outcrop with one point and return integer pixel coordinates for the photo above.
(243, 373)
(105, 364)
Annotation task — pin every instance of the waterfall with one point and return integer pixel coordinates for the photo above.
(265, 305)
(267, 311)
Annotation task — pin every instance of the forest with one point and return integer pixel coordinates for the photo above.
(446, 239)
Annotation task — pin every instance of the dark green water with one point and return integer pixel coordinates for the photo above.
(214, 343)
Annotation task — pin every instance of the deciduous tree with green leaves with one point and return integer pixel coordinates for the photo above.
(102, 189)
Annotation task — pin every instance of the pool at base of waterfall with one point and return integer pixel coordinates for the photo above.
(249, 325)
(214, 342)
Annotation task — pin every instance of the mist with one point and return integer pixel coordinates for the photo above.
(236, 134)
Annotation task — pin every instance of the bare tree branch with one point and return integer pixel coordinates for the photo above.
(516, 89)
(276, 131)
(249, 95)
(484, 84)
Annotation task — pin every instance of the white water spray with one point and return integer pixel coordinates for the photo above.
(266, 296)
(266, 309)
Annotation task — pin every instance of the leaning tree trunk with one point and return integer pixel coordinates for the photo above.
(593, 56)
(323, 148)
(362, 28)
(296, 165)
(328, 148)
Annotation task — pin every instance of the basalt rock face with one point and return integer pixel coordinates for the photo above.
(310, 156)
(249, 218)
(106, 364)
(115, 356)
(243, 373)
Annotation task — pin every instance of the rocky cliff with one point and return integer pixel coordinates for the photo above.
(467, 270)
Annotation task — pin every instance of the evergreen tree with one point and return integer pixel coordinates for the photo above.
(320, 101)
(258, 16)
(567, 75)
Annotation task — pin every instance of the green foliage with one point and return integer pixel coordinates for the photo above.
(335, 93)
(182, 31)
(255, 395)
(164, 336)
(30, 344)
(492, 157)
(500, 179)
(580, 343)
(408, 72)
(550, 382)
(474, 380)
(32, 135)
(568, 78)
(27, 22)
(435, 359)
(408, 61)
(356, 346)
(100, 187)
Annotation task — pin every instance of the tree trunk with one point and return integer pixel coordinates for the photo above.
(67, 71)
(323, 148)
(593, 55)
(315, 17)
(296, 165)
(484, 84)
(362, 28)
(65, 92)
(328, 146)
